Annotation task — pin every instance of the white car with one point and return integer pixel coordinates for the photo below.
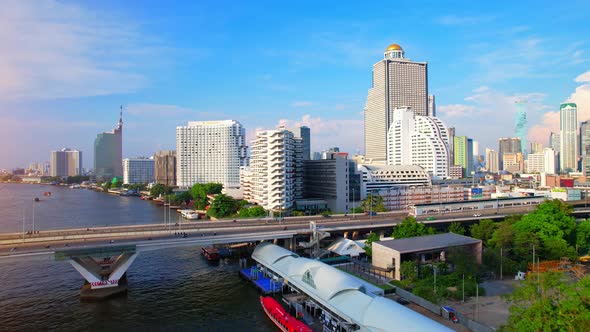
(477, 214)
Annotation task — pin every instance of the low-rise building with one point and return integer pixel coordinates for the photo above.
(376, 178)
(389, 254)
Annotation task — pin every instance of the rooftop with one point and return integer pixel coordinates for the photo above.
(428, 242)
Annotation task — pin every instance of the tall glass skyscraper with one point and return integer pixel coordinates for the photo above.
(108, 152)
(568, 125)
(397, 82)
(520, 125)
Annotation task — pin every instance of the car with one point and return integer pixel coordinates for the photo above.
(430, 218)
(372, 213)
(326, 216)
(477, 214)
(402, 301)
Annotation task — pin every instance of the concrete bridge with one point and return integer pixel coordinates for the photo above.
(103, 255)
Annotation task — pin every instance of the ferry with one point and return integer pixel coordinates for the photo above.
(282, 319)
(212, 254)
(189, 214)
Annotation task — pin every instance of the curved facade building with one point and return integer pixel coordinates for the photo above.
(418, 140)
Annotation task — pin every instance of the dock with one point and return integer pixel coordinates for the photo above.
(265, 285)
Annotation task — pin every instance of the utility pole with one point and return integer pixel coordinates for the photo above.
(463, 289)
(476, 300)
(501, 263)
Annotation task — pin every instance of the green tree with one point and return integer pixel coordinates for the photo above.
(410, 228)
(457, 228)
(222, 206)
(373, 237)
(583, 237)
(373, 203)
(257, 211)
(550, 302)
(160, 189)
(503, 236)
(408, 271)
(483, 230)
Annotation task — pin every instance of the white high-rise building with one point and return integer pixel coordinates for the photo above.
(210, 151)
(274, 178)
(549, 163)
(418, 140)
(535, 163)
(568, 124)
(138, 170)
(492, 161)
(397, 82)
(66, 162)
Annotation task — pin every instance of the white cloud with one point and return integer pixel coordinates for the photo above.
(489, 114)
(302, 104)
(348, 134)
(60, 50)
(463, 20)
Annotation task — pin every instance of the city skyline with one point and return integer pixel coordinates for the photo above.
(70, 66)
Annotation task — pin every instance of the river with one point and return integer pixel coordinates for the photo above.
(169, 290)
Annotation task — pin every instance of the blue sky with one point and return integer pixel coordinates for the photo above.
(66, 66)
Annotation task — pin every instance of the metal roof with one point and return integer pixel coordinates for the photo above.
(428, 242)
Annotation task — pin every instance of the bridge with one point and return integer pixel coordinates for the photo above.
(102, 255)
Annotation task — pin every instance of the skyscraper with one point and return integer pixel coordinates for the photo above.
(396, 82)
(165, 168)
(210, 151)
(66, 162)
(549, 160)
(431, 106)
(305, 134)
(508, 145)
(555, 141)
(536, 147)
(108, 152)
(585, 147)
(568, 125)
(464, 154)
(492, 161)
(275, 176)
(418, 140)
(520, 125)
(451, 131)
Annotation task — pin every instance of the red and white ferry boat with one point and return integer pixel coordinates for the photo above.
(282, 319)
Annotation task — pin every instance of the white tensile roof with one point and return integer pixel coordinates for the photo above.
(346, 247)
(349, 297)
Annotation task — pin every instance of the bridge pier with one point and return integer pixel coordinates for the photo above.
(103, 268)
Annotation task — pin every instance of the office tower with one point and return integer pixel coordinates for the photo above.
(520, 125)
(138, 170)
(66, 162)
(585, 147)
(108, 152)
(508, 145)
(165, 167)
(328, 179)
(555, 141)
(492, 161)
(431, 106)
(513, 162)
(568, 125)
(535, 163)
(275, 175)
(476, 157)
(305, 134)
(536, 147)
(451, 131)
(464, 154)
(418, 140)
(397, 82)
(549, 161)
(210, 151)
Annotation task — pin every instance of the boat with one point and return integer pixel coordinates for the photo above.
(47, 194)
(37, 199)
(224, 252)
(212, 254)
(282, 319)
(189, 214)
(75, 186)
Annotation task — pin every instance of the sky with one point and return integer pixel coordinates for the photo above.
(67, 66)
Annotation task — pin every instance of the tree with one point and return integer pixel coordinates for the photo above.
(549, 302)
(160, 189)
(457, 228)
(373, 203)
(503, 236)
(257, 211)
(583, 237)
(222, 206)
(373, 237)
(410, 228)
(408, 271)
(483, 230)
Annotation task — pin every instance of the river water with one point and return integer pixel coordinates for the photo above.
(169, 290)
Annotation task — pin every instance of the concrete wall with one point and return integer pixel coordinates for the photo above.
(385, 257)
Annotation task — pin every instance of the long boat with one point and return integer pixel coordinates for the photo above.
(282, 319)
(212, 254)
